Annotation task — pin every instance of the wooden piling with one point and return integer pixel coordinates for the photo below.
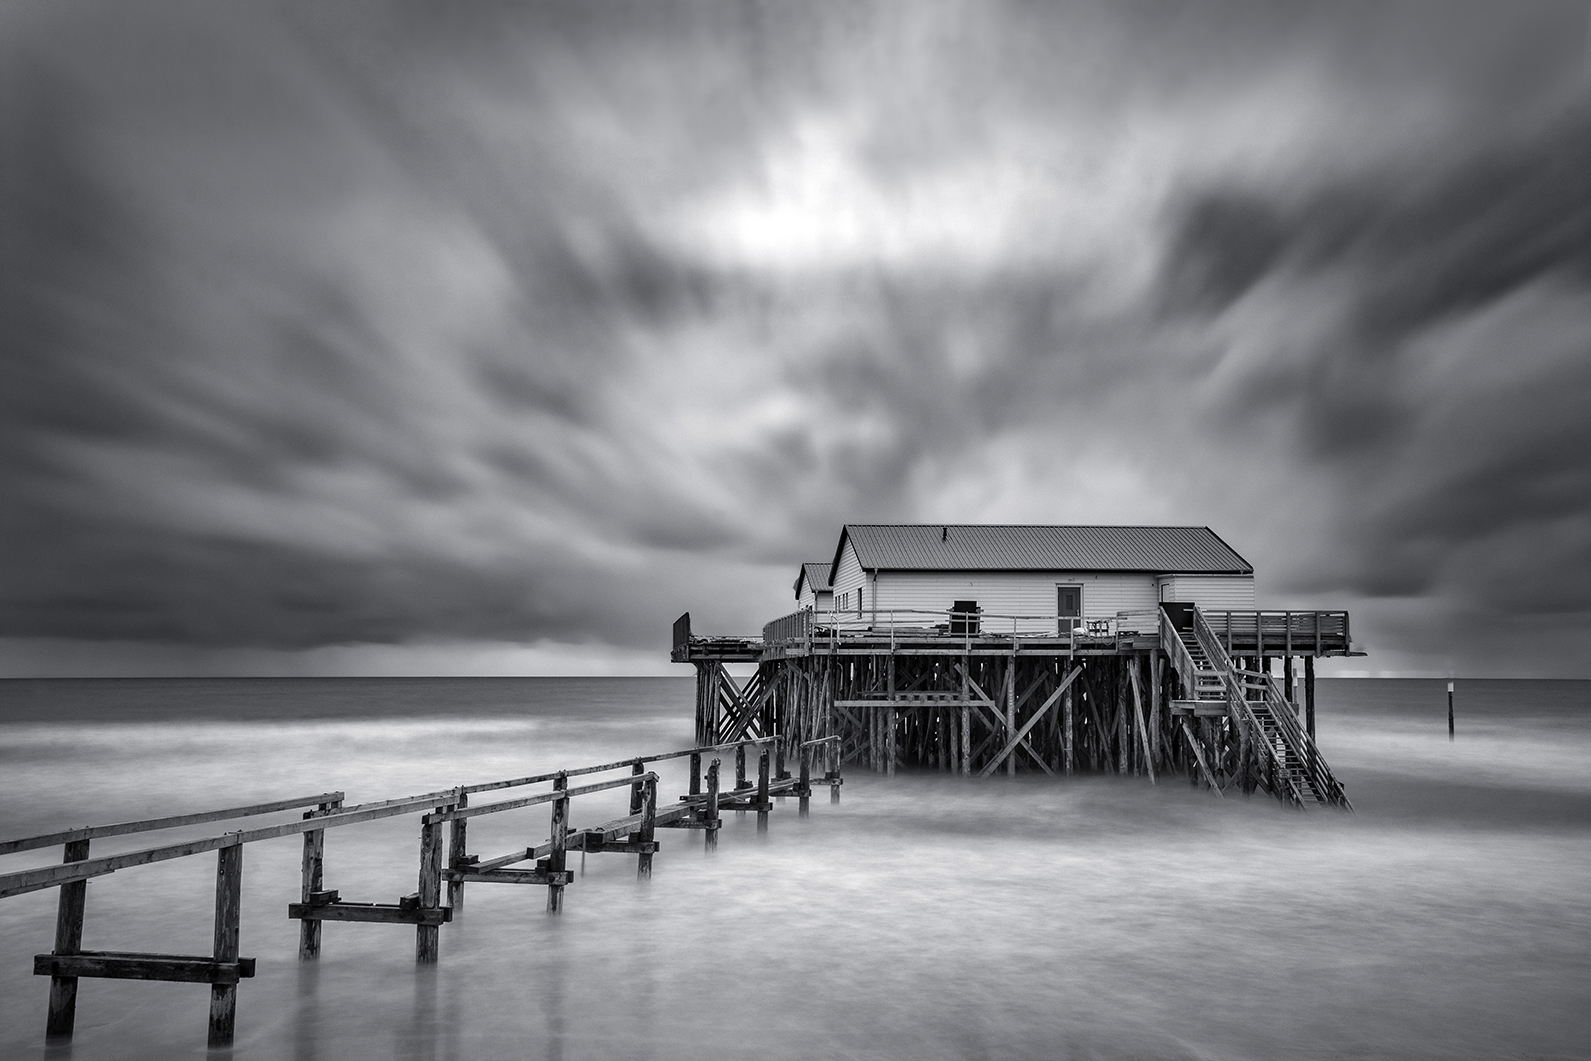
(1449, 711)
(648, 831)
(711, 832)
(312, 876)
(805, 805)
(427, 938)
(228, 908)
(740, 768)
(762, 791)
(557, 857)
(1068, 730)
(70, 910)
(458, 855)
(696, 774)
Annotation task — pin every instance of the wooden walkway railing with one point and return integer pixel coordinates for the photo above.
(222, 969)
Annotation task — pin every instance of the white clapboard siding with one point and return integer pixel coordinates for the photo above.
(1008, 593)
(1210, 592)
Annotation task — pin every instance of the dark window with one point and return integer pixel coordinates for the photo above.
(964, 617)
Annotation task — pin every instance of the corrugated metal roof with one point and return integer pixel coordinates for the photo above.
(982, 547)
(816, 574)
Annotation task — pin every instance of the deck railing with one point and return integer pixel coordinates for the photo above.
(1282, 632)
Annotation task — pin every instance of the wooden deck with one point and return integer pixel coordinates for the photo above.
(1270, 634)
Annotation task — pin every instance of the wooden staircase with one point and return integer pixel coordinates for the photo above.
(1291, 767)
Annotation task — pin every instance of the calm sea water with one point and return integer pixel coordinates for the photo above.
(924, 917)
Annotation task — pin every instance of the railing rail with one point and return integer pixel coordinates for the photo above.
(173, 821)
(1181, 659)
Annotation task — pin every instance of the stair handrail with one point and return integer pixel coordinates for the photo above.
(1320, 775)
(1181, 659)
(1239, 704)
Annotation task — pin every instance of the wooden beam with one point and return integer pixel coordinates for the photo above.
(133, 965)
(1198, 753)
(94, 832)
(1021, 736)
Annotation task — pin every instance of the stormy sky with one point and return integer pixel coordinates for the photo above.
(399, 337)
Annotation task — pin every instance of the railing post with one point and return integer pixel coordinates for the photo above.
(228, 908)
(635, 790)
(762, 791)
(832, 759)
(68, 940)
(781, 771)
(711, 832)
(648, 830)
(696, 773)
(557, 857)
(428, 938)
(312, 880)
(458, 854)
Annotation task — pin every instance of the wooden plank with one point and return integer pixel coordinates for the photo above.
(379, 913)
(173, 821)
(131, 965)
(513, 876)
(476, 811)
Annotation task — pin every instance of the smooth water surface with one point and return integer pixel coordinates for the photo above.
(922, 917)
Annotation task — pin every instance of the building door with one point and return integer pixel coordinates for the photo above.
(1069, 607)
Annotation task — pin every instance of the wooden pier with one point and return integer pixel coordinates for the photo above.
(444, 858)
(1180, 691)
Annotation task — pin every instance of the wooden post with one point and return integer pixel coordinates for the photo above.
(711, 832)
(312, 879)
(557, 858)
(1123, 734)
(966, 717)
(781, 769)
(428, 938)
(762, 791)
(458, 854)
(1449, 711)
(740, 768)
(648, 831)
(1309, 697)
(696, 773)
(1010, 709)
(1068, 729)
(831, 757)
(228, 908)
(1154, 708)
(806, 782)
(635, 790)
(891, 721)
(70, 909)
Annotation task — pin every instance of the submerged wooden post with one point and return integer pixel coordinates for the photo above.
(831, 756)
(648, 831)
(428, 938)
(762, 792)
(458, 854)
(781, 770)
(1449, 711)
(68, 940)
(312, 880)
(740, 768)
(557, 858)
(696, 773)
(806, 782)
(711, 832)
(228, 908)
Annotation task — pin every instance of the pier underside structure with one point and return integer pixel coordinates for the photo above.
(1193, 696)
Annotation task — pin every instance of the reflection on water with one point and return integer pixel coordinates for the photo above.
(925, 917)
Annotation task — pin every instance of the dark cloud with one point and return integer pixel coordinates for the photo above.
(375, 323)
